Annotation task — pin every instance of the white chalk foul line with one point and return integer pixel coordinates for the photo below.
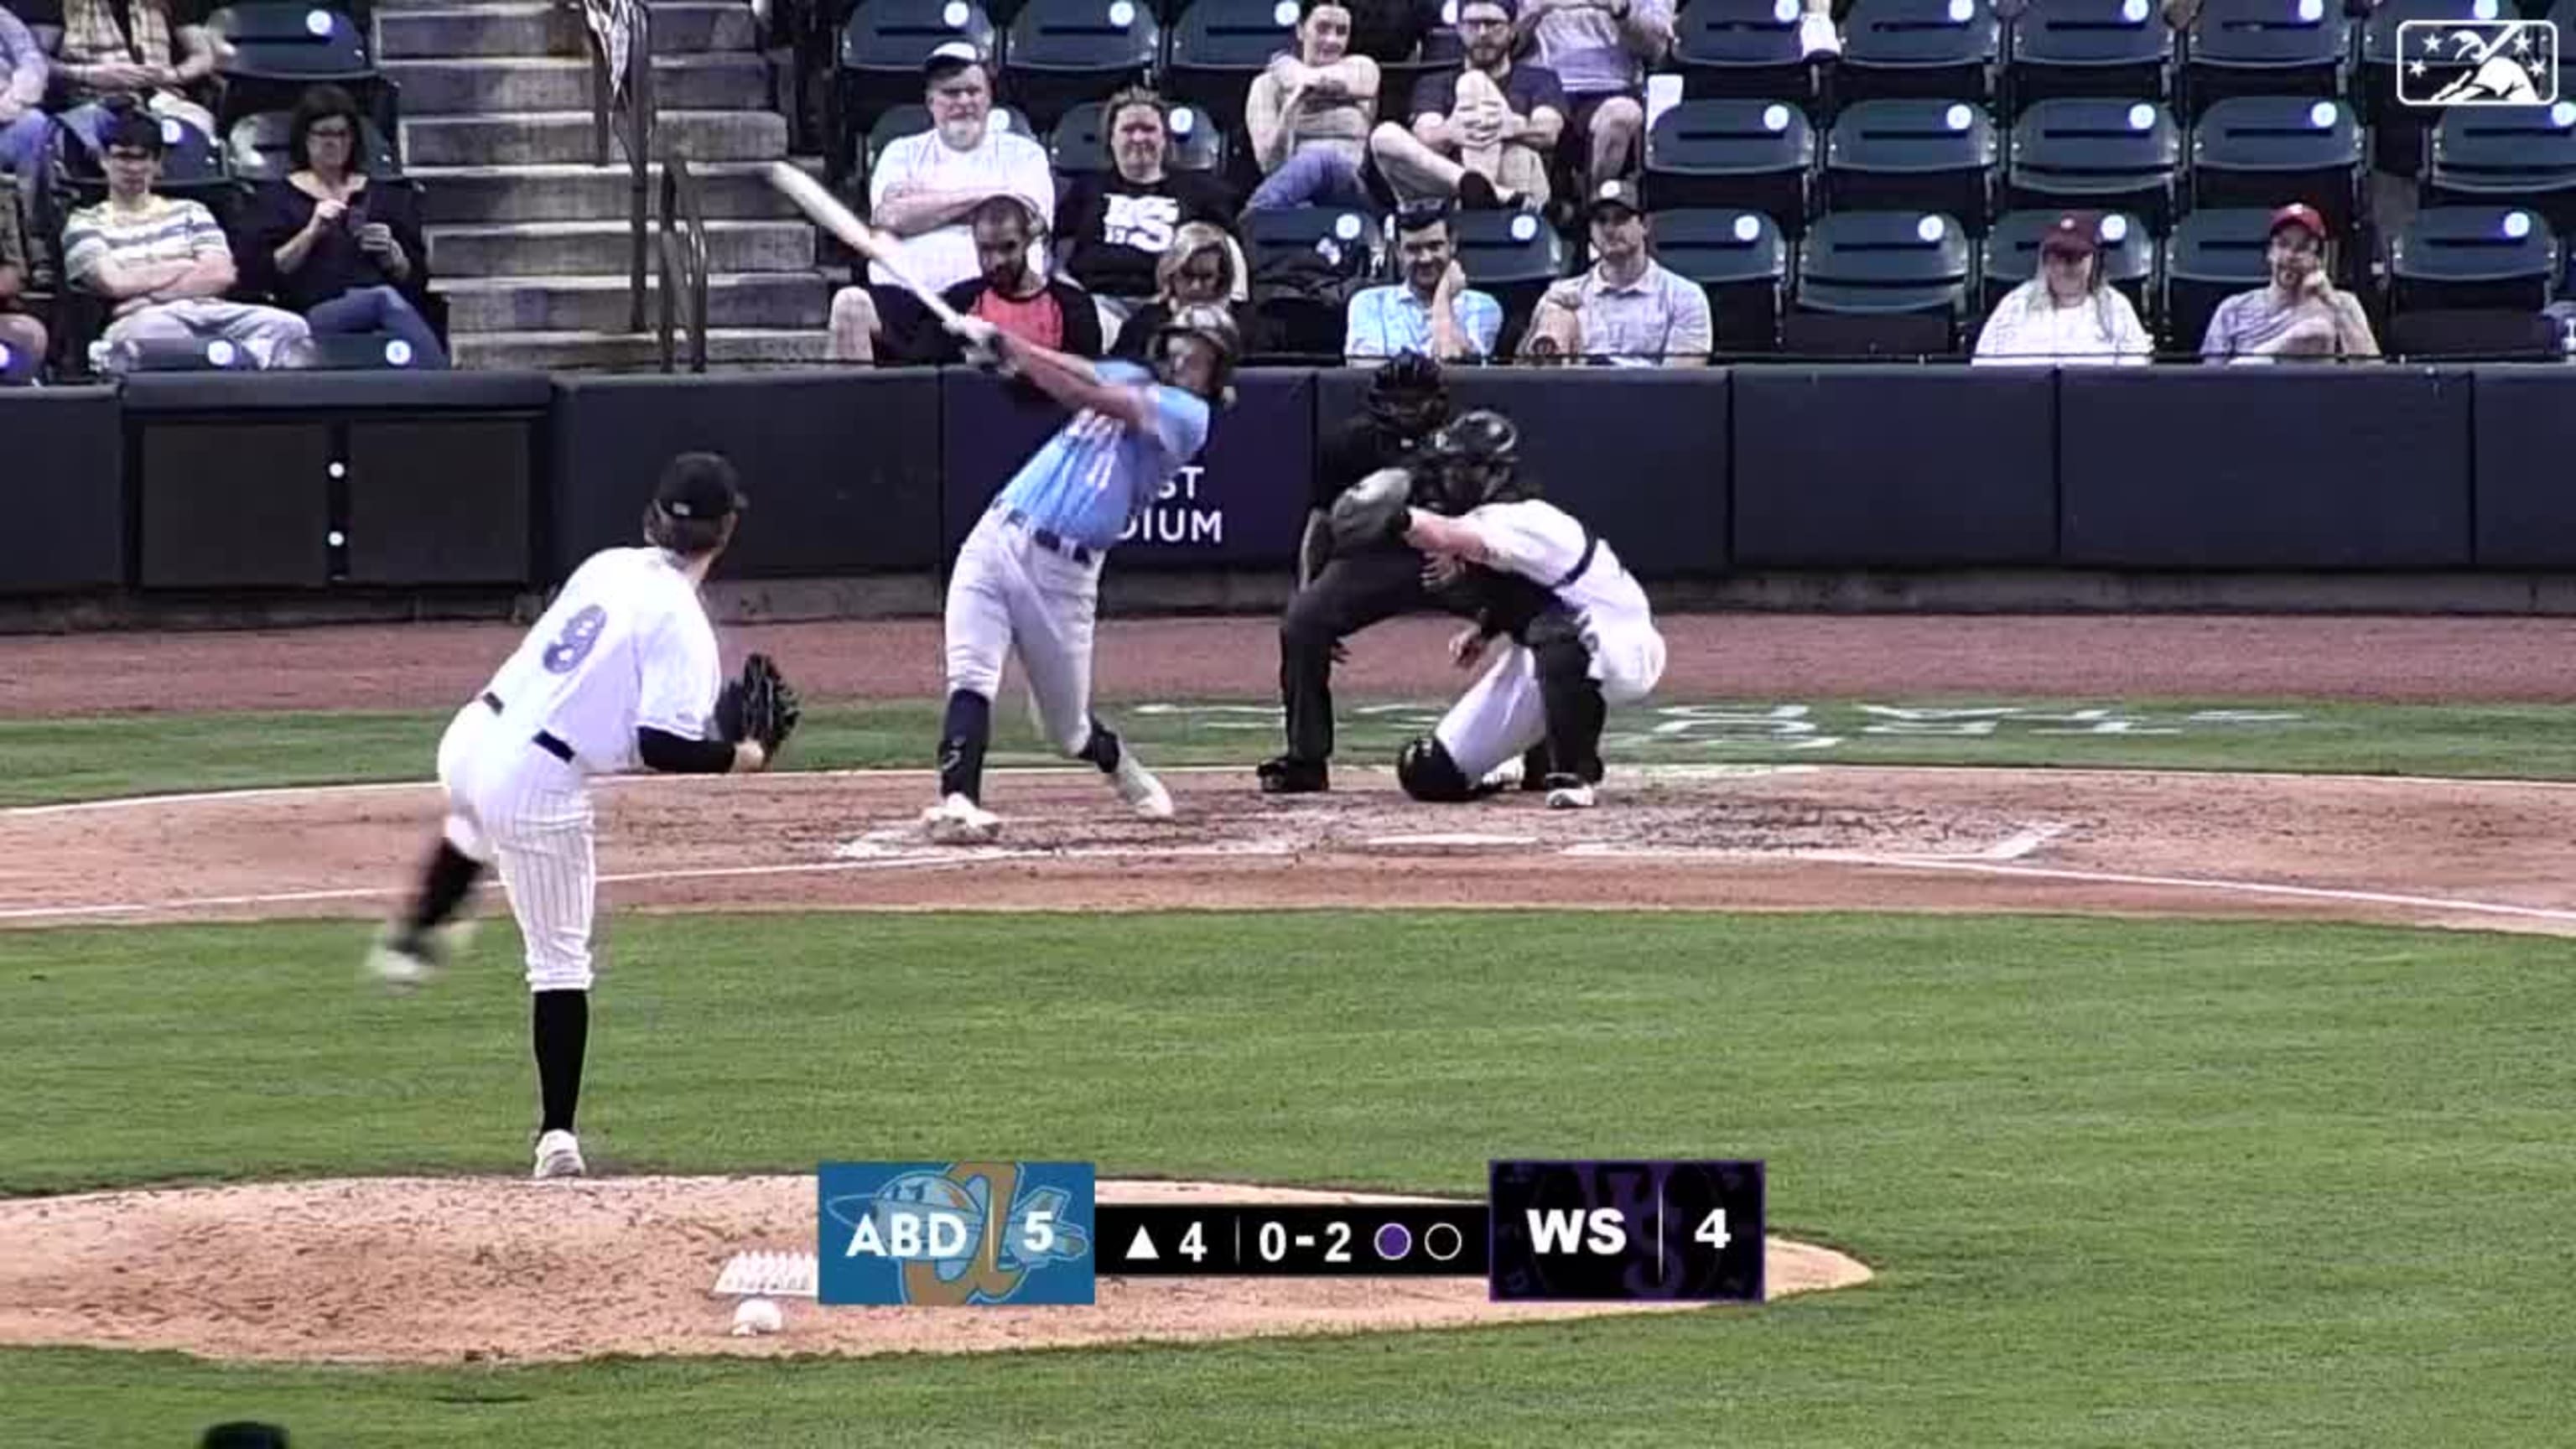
(2234, 887)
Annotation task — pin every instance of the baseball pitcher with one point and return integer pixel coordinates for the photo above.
(622, 671)
(1029, 575)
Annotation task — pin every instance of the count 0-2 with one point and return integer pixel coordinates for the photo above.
(1273, 1241)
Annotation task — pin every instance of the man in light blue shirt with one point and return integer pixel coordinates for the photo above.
(1432, 311)
(1027, 580)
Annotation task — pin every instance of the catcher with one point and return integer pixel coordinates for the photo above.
(622, 671)
(1583, 636)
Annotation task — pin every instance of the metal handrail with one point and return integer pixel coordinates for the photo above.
(639, 114)
(684, 259)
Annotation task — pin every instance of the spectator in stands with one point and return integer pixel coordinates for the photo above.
(2302, 313)
(1432, 311)
(131, 50)
(1309, 115)
(21, 334)
(1600, 51)
(1013, 295)
(922, 189)
(163, 264)
(346, 255)
(26, 132)
(1117, 225)
(1628, 310)
(1484, 134)
(1202, 265)
(2068, 314)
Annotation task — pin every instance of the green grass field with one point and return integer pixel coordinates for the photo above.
(78, 759)
(2126, 1184)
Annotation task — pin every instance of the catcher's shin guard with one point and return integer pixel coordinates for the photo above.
(1427, 772)
(1569, 696)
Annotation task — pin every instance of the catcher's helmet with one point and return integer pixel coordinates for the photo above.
(1427, 772)
(1407, 396)
(1212, 324)
(1477, 459)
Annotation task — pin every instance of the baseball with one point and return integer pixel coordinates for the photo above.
(757, 1316)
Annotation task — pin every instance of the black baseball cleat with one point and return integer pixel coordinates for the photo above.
(1287, 776)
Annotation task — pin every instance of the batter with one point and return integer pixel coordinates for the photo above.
(1028, 577)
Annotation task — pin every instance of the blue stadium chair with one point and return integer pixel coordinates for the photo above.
(191, 166)
(2524, 154)
(359, 352)
(1219, 46)
(912, 120)
(2263, 151)
(2455, 257)
(1743, 48)
(272, 49)
(1733, 152)
(1511, 255)
(1061, 53)
(1880, 283)
(1442, 49)
(2214, 253)
(2119, 48)
(2128, 255)
(1913, 155)
(2104, 155)
(1740, 259)
(1077, 147)
(255, 148)
(2397, 130)
(879, 66)
(1930, 49)
(2265, 48)
(1348, 240)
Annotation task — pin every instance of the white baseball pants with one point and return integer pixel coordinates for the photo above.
(1503, 714)
(1008, 590)
(512, 802)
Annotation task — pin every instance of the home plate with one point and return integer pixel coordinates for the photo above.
(1461, 840)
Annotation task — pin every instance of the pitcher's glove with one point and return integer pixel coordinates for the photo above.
(1375, 510)
(759, 704)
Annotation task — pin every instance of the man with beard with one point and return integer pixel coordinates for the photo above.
(1628, 309)
(1118, 225)
(922, 189)
(2302, 313)
(1012, 295)
(1484, 134)
(1432, 311)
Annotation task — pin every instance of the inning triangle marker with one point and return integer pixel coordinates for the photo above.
(1142, 1250)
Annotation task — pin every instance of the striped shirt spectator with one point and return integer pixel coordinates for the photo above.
(1627, 310)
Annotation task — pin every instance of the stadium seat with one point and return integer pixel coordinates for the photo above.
(1511, 255)
(912, 120)
(2265, 48)
(2458, 257)
(359, 352)
(1219, 46)
(1746, 49)
(1926, 49)
(2105, 155)
(1741, 260)
(2214, 253)
(1442, 49)
(255, 148)
(2263, 151)
(1913, 155)
(1879, 283)
(1076, 145)
(2119, 48)
(2397, 130)
(191, 166)
(1342, 236)
(1064, 52)
(1732, 152)
(2500, 154)
(272, 49)
(881, 53)
(2012, 255)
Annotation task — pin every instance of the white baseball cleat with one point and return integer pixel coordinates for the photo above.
(559, 1155)
(403, 961)
(960, 821)
(1568, 792)
(1143, 793)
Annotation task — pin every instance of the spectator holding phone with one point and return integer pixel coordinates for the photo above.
(345, 255)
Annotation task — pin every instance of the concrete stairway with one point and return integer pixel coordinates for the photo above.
(528, 239)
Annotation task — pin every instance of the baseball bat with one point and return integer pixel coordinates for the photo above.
(827, 212)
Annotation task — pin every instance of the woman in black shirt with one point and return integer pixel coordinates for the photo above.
(346, 255)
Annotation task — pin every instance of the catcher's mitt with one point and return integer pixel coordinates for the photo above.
(758, 705)
(1374, 510)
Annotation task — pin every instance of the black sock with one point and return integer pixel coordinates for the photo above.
(961, 745)
(443, 888)
(1102, 748)
(562, 1022)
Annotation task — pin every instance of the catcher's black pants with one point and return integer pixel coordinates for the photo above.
(1350, 593)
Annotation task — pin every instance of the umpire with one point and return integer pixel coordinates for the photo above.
(1340, 594)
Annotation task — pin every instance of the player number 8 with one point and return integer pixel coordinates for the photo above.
(572, 646)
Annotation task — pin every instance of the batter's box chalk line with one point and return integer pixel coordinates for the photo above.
(768, 1275)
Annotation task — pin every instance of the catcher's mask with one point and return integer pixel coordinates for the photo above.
(1477, 459)
(1407, 396)
(1206, 323)
(695, 505)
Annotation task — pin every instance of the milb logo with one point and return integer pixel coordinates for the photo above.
(2445, 64)
(954, 1235)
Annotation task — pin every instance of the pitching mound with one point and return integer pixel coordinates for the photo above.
(431, 1270)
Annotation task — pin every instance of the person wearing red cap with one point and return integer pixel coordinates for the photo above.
(2302, 313)
(2067, 313)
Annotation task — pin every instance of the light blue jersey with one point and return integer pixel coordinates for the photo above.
(1095, 474)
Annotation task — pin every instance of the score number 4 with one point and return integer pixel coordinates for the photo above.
(1712, 1230)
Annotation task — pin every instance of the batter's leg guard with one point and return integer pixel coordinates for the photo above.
(1571, 698)
(1426, 771)
(962, 738)
(1101, 748)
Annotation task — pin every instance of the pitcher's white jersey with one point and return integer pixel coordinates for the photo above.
(626, 644)
(1542, 542)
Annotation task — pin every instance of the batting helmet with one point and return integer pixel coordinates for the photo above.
(1477, 459)
(1407, 396)
(1212, 324)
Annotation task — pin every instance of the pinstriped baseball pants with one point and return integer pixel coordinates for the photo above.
(512, 803)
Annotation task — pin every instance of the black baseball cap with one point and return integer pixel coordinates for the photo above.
(699, 485)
